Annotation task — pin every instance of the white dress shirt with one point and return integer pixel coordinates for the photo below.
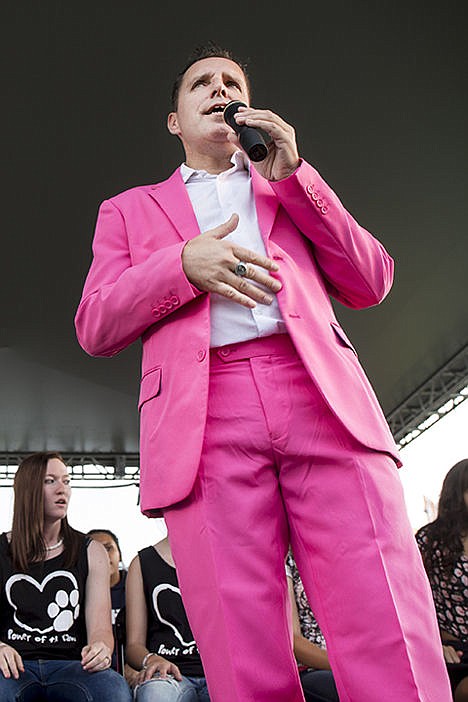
(214, 199)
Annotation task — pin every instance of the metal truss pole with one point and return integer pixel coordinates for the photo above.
(85, 466)
(440, 394)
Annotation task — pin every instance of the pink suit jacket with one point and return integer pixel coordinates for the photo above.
(136, 287)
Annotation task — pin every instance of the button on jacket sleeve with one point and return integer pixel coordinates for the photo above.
(357, 269)
(121, 299)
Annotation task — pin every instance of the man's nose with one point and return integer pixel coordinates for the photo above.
(219, 89)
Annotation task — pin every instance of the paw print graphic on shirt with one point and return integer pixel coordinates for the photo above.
(52, 604)
(64, 609)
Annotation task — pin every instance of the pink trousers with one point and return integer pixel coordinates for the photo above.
(277, 468)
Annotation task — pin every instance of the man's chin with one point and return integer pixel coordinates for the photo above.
(221, 133)
(221, 128)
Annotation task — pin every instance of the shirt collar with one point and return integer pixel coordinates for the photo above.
(238, 159)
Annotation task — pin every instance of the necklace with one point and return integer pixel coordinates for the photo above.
(57, 545)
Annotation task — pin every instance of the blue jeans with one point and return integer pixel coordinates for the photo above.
(63, 681)
(170, 690)
(318, 686)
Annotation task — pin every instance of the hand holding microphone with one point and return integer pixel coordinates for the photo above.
(280, 158)
(250, 139)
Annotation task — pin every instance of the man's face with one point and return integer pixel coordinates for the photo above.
(207, 86)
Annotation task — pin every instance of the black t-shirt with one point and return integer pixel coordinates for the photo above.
(118, 595)
(169, 633)
(118, 623)
(42, 610)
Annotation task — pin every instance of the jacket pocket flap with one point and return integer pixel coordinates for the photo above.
(150, 386)
(341, 334)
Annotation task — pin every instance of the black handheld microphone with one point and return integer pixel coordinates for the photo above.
(250, 139)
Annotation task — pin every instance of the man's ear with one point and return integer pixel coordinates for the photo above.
(173, 124)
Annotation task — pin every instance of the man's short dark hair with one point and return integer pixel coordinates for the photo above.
(210, 50)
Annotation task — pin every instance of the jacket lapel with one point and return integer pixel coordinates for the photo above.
(171, 195)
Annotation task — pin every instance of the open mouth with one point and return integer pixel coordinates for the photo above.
(216, 109)
(61, 502)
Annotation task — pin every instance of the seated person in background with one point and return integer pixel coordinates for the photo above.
(444, 548)
(55, 624)
(118, 576)
(159, 639)
(309, 644)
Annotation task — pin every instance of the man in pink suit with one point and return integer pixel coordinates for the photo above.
(259, 427)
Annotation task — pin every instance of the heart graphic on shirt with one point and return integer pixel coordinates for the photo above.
(51, 605)
(164, 590)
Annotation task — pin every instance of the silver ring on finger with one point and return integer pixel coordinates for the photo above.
(241, 269)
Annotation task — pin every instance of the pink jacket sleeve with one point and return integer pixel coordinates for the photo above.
(121, 300)
(356, 267)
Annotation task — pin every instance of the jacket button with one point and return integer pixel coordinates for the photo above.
(201, 355)
(156, 312)
(162, 308)
(168, 305)
(319, 202)
(224, 352)
(315, 195)
(310, 189)
(324, 209)
(174, 299)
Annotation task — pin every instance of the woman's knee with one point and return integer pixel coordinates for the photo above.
(110, 687)
(18, 691)
(105, 686)
(158, 690)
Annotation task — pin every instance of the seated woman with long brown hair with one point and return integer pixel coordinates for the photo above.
(444, 548)
(55, 625)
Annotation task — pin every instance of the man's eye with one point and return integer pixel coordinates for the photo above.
(234, 83)
(199, 82)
